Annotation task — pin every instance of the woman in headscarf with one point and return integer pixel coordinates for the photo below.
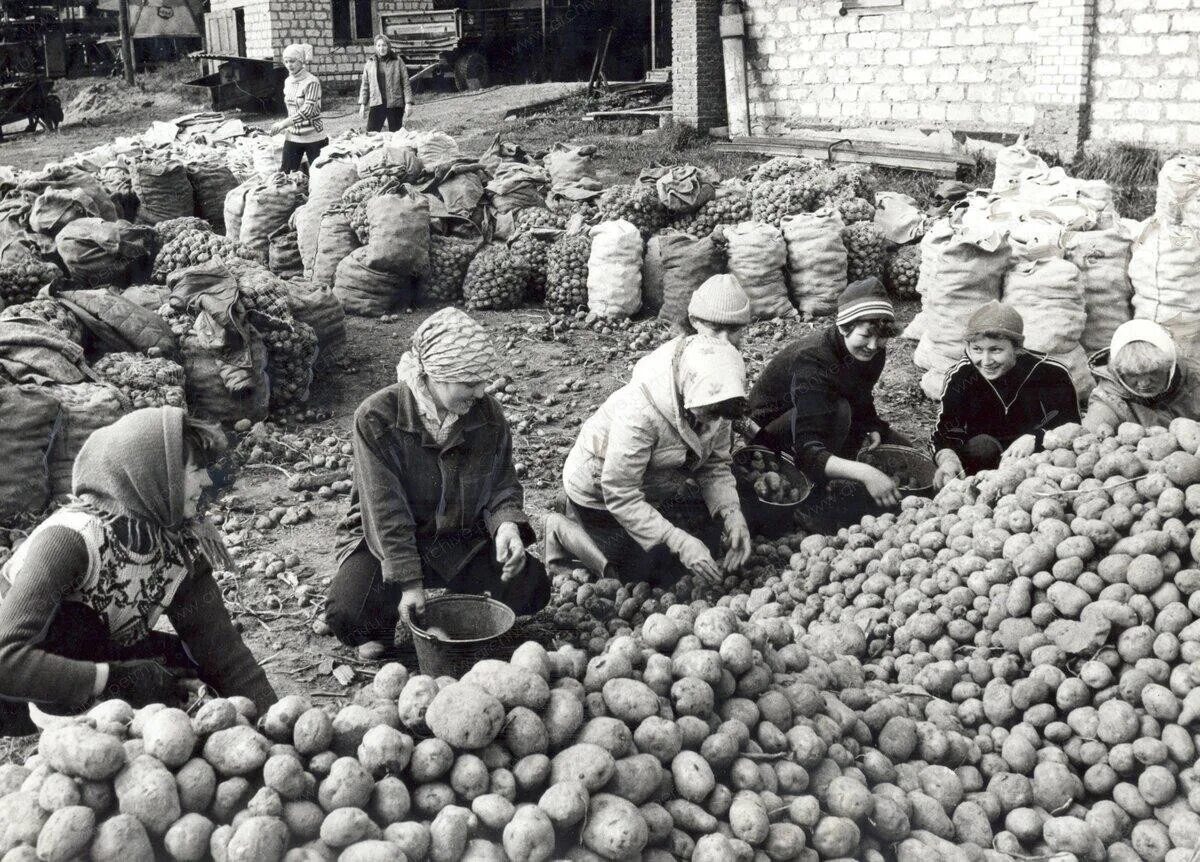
(1143, 377)
(302, 97)
(649, 482)
(81, 596)
(385, 91)
(436, 500)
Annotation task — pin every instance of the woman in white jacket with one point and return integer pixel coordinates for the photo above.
(648, 482)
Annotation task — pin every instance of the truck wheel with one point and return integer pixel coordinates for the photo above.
(471, 71)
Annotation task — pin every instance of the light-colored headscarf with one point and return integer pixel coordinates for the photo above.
(449, 347)
(710, 371)
(1143, 330)
(299, 51)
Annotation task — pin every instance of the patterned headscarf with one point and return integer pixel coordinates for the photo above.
(710, 371)
(450, 347)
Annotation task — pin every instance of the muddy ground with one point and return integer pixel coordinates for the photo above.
(553, 385)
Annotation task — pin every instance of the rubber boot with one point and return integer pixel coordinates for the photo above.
(568, 543)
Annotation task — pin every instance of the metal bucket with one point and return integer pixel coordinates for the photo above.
(765, 516)
(477, 628)
(916, 466)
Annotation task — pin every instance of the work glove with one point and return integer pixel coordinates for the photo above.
(694, 554)
(145, 681)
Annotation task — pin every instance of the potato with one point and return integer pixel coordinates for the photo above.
(122, 838)
(493, 810)
(693, 776)
(748, 818)
(284, 773)
(529, 836)
(230, 798)
(713, 848)
(565, 803)
(187, 839)
(350, 725)
(503, 782)
(532, 656)
(429, 799)
(58, 791)
(482, 850)
(314, 851)
(531, 773)
(265, 803)
(345, 826)
(385, 750)
(1072, 835)
(629, 700)
(690, 816)
(372, 850)
(469, 777)
(66, 833)
(659, 737)
(168, 735)
(524, 733)
(611, 734)
(448, 833)
(77, 750)
(348, 785)
(661, 633)
(303, 819)
(513, 686)
(432, 758)
(563, 717)
(390, 800)
(313, 732)
(585, 762)
(147, 790)
(702, 664)
(236, 751)
(390, 680)
(219, 714)
(281, 717)
(614, 828)
(196, 783)
(712, 626)
(411, 837)
(466, 716)
(258, 839)
(636, 778)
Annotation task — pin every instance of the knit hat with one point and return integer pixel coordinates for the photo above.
(996, 318)
(864, 300)
(451, 347)
(721, 300)
(710, 371)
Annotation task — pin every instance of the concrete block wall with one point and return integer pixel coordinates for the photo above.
(1146, 73)
(697, 67)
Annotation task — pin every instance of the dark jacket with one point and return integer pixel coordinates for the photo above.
(416, 504)
(813, 375)
(1035, 396)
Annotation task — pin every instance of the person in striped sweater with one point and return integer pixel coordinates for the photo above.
(304, 128)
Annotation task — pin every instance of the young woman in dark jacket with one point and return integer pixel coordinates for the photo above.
(81, 596)
(436, 500)
(385, 92)
(1000, 398)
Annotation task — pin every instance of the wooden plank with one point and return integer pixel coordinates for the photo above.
(931, 163)
(820, 142)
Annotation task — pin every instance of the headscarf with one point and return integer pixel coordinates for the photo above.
(449, 347)
(300, 51)
(1150, 332)
(133, 471)
(710, 371)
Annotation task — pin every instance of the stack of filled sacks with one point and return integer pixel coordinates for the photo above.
(1165, 264)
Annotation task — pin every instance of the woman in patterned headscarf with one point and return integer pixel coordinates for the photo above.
(436, 501)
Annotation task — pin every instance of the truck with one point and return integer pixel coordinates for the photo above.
(481, 42)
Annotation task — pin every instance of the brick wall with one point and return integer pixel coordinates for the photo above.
(1059, 71)
(697, 68)
(1146, 73)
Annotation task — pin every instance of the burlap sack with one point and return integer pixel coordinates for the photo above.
(212, 181)
(269, 205)
(219, 393)
(1102, 256)
(323, 311)
(817, 260)
(328, 180)
(687, 262)
(283, 253)
(54, 209)
(757, 256)
(684, 189)
(163, 189)
(898, 217)
(1164, 268)
(1012, 162)
(85, 407)
(399, 234)
(363, 290)
(615, 269)
(335, 240)
(1178, 198)
(1045, 290)
(102, 253)
(235, 206)
(29, 423)
(652, 274)
(568, 164)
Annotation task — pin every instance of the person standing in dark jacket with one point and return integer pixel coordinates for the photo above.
(385, 91)
(814, 400)
(1000, 398)
(436, 500)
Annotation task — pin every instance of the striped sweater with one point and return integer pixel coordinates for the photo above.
(302, 96)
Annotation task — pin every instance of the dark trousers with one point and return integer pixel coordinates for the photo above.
(833, 503)
(360, 607)
(981, 453)
(394, 117)
(628, 561)
(79, 632)
(294, 153)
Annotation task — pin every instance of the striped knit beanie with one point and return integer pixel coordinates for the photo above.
(864, 300)
(451, 347)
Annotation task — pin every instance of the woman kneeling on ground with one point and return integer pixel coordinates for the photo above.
(1142, 378)
(83, 593)
(436, 501)
(719, 309)
(649, 482)
(1000, 398)
(814, 400)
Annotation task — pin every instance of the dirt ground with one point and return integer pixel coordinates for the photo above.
(552, 386)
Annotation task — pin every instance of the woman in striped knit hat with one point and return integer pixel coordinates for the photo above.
(305, 129)
(436, 500)
(814, 400)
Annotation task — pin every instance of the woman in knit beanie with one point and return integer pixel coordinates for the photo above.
(436, 500)
(814, 400)
(719, 308)
(999, 398)
(80, 597)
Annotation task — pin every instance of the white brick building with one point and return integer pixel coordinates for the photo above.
(1063, 71)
